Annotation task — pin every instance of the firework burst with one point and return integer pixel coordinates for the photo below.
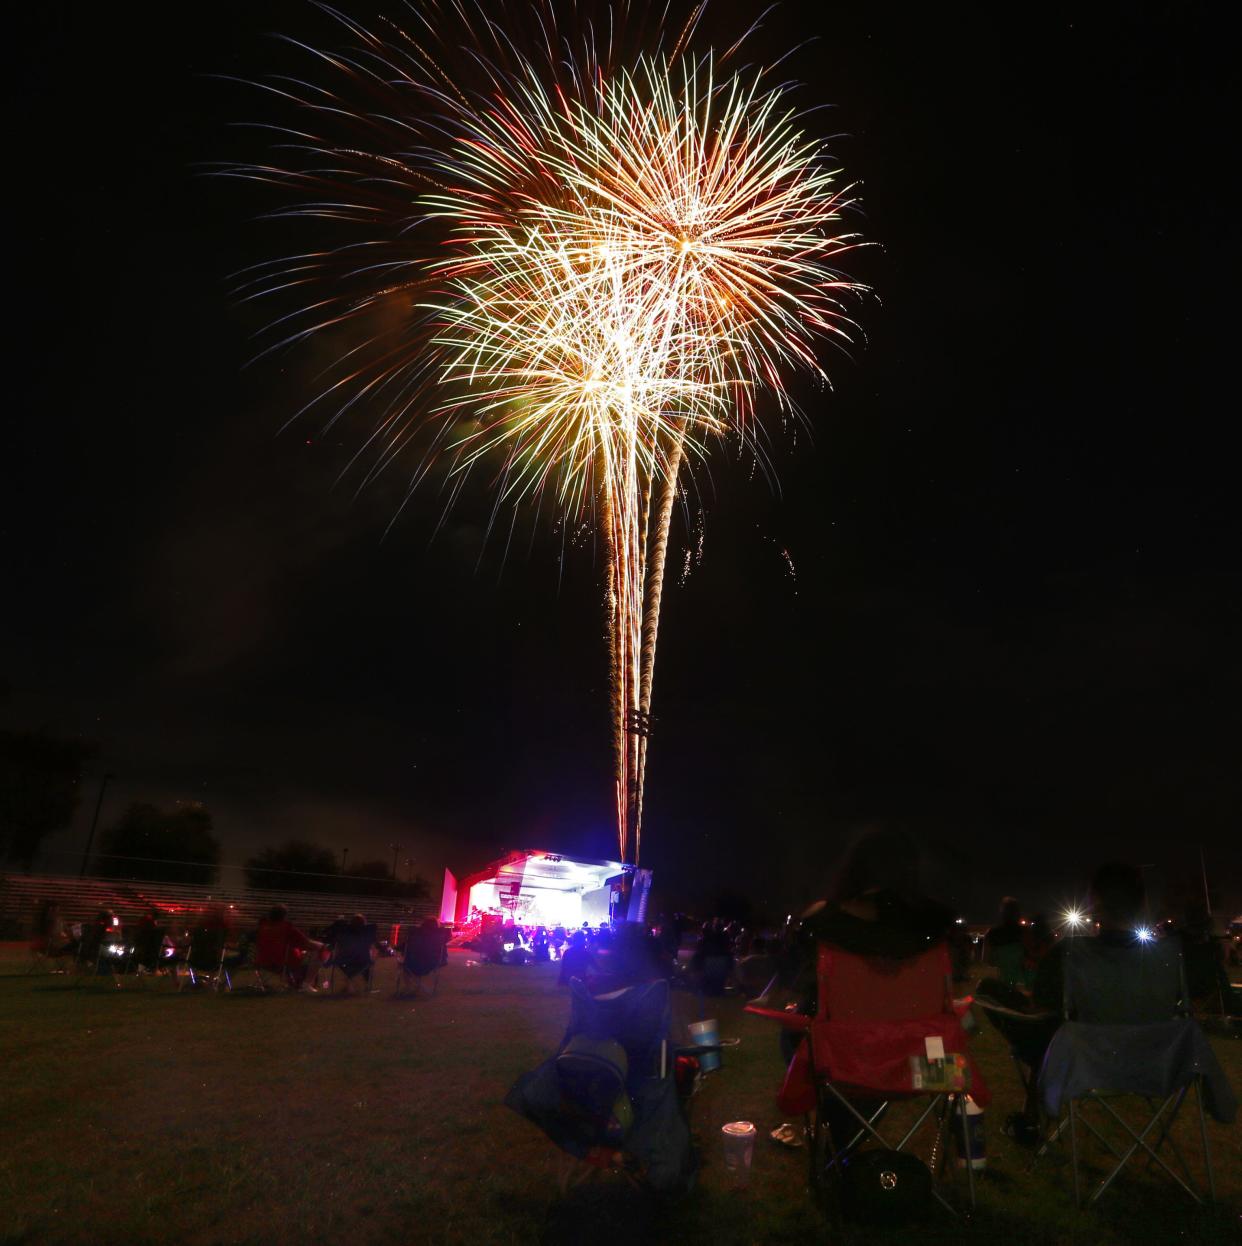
(633, 257)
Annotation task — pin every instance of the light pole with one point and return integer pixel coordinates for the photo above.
(90, 839)
(344, 858)
(395, 849)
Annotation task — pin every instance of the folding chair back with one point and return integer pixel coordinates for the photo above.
(871, 988)
(1127, 1034)
(592, 1073)
(637, 1017)
(94, 949)
(91, 944)
(608, 1096)
(204, 958)
(424, 950)
(869, 1034)
(148, 950)
(1010, 962)
(1128, 985)
(273, 952)
(271, 945)
(352, 949)
(353, 953)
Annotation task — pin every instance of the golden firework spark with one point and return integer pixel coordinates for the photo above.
(636, 256)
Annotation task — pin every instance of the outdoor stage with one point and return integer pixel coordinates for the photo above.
(534, 888)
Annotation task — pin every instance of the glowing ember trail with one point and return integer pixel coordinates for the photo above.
(633, 257)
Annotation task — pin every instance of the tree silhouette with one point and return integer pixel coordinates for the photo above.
(375, 878)
(299, 865)
(296, 865)
(166, 845)
(40, 784)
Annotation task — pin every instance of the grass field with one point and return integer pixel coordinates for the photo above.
(142, 1116)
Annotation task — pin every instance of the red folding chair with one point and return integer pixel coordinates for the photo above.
(868, 1041)
(282, 952)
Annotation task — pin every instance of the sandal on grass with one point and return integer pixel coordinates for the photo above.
(787, 1136)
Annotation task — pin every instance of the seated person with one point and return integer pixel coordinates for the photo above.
(353, 951)
(713, 957)
(513, 949)
(1041, 938)
(50, 938)
(576, 959)
(1005, 946)
(426, 947)
(877, 910)
(1117, 901)
(1207, 979)
(632, 957)
(281, 947)
(151, 943)
(88, 946)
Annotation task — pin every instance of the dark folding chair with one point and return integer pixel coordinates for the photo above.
(353, 955)
(1127, 1036)
(609, 1097)
(148, 954)
(204, 959)
(100, 950)
(421, 959)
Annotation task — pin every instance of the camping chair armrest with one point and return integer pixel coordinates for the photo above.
(790, 1020)
(990, 1005)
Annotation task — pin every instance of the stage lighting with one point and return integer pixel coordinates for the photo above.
(1144, 934)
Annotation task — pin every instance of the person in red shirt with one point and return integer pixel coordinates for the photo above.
(282, 948)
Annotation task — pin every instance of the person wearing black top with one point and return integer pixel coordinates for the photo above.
(876, 909)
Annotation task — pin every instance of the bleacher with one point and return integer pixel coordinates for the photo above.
(79, 899)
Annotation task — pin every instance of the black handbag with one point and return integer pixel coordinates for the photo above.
(884, 1187)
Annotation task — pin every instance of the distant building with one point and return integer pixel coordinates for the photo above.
(546, 889)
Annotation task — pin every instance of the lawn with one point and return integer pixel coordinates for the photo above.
(145, 1116)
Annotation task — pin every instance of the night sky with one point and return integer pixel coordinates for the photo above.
(1013, 614)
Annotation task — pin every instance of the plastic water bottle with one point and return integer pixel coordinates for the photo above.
(973, 1145)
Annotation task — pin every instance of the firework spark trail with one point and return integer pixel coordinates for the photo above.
(569, 360)
(637, 251)
(658, 554)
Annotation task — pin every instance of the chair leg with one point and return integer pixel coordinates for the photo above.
(966, 1155)
(1203, 1134)
(1073, 1133)
(1140, 1140)
(823, 1175)
(1055, 1136)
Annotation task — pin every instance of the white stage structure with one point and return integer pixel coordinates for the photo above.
(536, 888)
